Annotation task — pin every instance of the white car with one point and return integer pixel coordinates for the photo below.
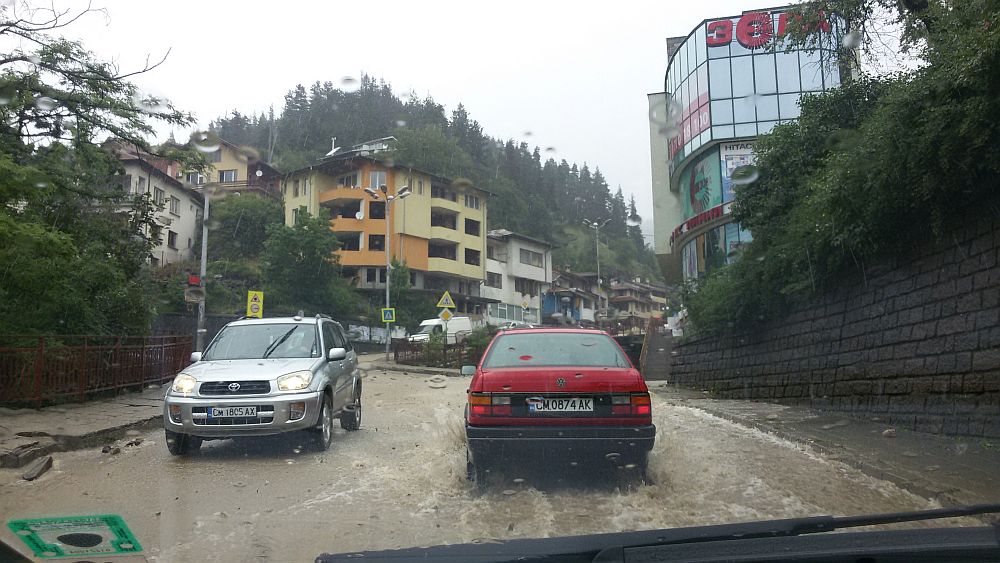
(266, 376)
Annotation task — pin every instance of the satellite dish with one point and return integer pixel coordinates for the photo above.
(359, 215)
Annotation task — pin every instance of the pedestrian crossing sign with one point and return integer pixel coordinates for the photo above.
(389, 314)
(255, 304)
(446, 301)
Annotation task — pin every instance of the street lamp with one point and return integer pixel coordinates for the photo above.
(200, 333)
(402, 193)
(597, 247)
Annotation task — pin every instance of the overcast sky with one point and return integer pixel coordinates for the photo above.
(573, 74)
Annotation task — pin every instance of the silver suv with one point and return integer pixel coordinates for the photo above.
(266, 376)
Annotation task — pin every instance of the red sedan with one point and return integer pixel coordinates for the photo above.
(564, 394)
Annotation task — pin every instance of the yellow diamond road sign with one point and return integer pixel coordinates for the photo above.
(445, 315)
(255, 304)
(446, 301)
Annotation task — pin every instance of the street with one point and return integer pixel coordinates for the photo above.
(400, 482)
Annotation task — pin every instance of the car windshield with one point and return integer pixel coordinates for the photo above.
(266, 340)
(429, 329)
(552, 348)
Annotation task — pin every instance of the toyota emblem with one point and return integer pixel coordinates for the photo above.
(560, 382)
(234, 387)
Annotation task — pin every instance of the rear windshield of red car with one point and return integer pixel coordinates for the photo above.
(532, 349)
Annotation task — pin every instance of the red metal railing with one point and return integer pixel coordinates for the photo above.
(36, 369)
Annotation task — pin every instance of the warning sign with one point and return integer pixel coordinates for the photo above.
(445, 315)
(389, 315)
(446, 301)
(77, 536)
(255, 304)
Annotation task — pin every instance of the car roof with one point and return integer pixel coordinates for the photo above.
(560, 329)
(278, 320)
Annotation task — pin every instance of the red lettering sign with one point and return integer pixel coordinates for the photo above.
(719, 33)
(754, 30)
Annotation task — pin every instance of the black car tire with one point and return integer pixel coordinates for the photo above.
(323, 431)
(182, 444)
(350, 419)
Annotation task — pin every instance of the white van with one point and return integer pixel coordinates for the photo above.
(458, 329)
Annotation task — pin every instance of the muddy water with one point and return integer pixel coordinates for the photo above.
(400, 482)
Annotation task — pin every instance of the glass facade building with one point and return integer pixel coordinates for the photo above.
(728, 81)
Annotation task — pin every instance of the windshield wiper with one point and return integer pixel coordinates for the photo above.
(276, 343)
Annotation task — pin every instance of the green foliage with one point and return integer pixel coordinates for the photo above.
(300, 269)
(238, 226)
(411, 306)
(428, 148)
(868, 171)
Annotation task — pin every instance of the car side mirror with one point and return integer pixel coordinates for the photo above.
(468, 370)
(195, 357)
(336, 354)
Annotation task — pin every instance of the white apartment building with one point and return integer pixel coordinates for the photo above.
(518, 273)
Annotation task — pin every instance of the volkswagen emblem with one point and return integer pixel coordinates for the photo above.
(234, 387)
(560, 382)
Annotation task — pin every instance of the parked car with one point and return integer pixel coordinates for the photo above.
(564, 393)
(514, 324)
(455, 330)
(266, 376)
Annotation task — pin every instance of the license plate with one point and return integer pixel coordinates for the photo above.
(569, 404)
(232, 412)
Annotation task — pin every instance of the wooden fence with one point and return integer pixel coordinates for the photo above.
(39, 369)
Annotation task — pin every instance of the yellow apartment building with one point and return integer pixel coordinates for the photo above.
(439, 230)
(236, 169)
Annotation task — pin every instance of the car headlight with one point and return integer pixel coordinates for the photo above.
(184, 383)
(294, 381)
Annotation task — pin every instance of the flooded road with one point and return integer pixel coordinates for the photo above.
(400, 482)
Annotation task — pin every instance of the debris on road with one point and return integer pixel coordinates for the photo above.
(437, 382)
(109, 449)
(889, 433)
(133, 442)
(37, 468)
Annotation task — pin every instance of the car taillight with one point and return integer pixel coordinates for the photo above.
(636, 404)
(485, 404)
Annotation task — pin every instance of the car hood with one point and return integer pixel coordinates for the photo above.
(572, 379)
(227, 370)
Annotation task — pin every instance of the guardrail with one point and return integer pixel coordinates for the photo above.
(39, 369)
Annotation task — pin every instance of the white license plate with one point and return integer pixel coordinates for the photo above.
(231, 412)
(569, 404)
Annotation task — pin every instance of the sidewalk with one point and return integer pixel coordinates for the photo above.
(26, 434)
(377, 362)
(952, 470)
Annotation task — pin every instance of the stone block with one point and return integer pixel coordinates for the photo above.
(972, 383)
(991, 297)
(986, 360)
(969, 302)
(965, 341)
(952, 324)
(981, 244)
(987, 318)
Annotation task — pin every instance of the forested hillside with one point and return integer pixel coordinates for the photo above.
(535, 194)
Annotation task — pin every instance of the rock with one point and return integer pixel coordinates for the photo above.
(106, 450)
(19, 455)
(133, 442)
(772, 416)
(889, 433)
(115, 450)
(37, 468)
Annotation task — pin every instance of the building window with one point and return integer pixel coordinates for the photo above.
(494, 280)
(214, 156)
(441, 192)
(189, 242)
(472, 227)
(376, 178)
(370, 274)
(376, 209)
(175, 206)
(472, 257)
(227, 175)
(441, 251)
(413, 279)
(376, 242)
(446, 220)
(420, 187)
(472, 201)
(195, 178)
(526, 287)
(141, 188)
(349, 181)
(295, 188)
(532, 258)
(158, 196)
(172, 239)
(154, 233)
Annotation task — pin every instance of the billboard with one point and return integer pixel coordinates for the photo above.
(732, 156)
(700, 185)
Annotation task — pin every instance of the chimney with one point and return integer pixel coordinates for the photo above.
(333, 144)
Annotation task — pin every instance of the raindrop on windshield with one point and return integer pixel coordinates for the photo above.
(527, 133)
(669, 131)
(400, 123)
(852, 40)
(550, 149)
(45, 103)
(746, 174)
(248, 154)
(510, 492)
(7, 93)
(205, 141)
(34, 59)
(150, 103)
(518, 481)
(633, 220)
(349, 84)
(259, 173)
(41, 184)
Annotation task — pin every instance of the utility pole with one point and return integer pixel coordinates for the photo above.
(200, 335)
(402, 193)
(597, 252)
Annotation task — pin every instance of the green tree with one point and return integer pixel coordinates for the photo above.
(239, 226)
(301, 271)
(411, 306)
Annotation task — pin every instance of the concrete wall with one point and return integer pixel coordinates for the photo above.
(917, 346)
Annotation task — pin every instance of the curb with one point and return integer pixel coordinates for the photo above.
(927, 490)
(449, 372)
(63, 443)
